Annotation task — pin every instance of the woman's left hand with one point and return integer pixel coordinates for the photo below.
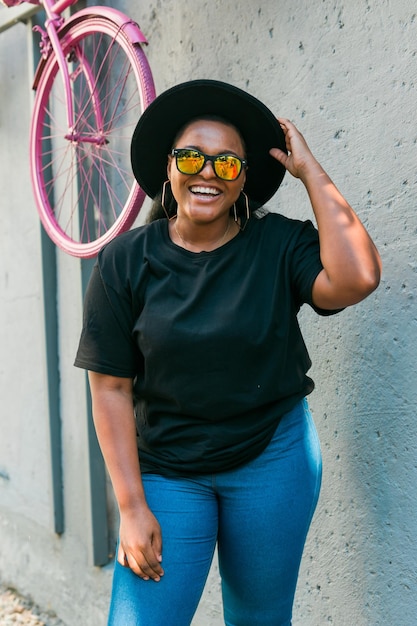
(299, 159)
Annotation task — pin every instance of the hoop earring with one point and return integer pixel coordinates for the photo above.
(247, 206)
(163, 198)
(242, 228)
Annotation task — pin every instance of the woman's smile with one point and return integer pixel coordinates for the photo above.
(205, 191)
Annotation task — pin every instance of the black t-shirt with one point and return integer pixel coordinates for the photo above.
(211, 338)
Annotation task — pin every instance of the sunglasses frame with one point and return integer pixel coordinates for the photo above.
(212, 158)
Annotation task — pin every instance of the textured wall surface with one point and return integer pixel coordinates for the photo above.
(345, 73)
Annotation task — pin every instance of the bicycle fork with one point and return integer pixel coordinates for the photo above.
(50, 43)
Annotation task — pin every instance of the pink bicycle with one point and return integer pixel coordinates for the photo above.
(92, 83)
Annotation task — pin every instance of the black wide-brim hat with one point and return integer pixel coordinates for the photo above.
(169, 112)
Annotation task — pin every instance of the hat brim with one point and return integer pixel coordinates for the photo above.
(168, 113)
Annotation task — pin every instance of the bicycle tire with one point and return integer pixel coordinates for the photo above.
(86, 193)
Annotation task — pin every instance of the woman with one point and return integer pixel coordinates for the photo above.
(196, 359)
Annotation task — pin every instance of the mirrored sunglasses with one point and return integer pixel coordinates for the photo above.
(225, 166)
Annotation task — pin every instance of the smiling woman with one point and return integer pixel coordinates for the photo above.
(207, 187)
(226, 165)
(197, 366)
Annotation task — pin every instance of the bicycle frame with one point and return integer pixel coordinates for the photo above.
(50, 41)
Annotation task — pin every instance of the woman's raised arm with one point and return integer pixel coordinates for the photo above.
(351, 262)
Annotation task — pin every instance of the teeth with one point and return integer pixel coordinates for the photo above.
(205, 190)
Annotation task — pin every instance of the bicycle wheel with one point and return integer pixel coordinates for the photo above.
(82, 180)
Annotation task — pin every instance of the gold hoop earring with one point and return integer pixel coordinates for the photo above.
(242, 228)
(163, 198)
(246, 205)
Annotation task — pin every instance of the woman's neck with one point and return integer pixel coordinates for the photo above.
(202, 237)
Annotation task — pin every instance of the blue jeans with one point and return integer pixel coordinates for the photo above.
(258, 514)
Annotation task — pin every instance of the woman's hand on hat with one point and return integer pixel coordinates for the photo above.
(299, 161)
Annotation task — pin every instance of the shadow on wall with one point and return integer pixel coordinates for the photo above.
(367, 424)
(382, 443)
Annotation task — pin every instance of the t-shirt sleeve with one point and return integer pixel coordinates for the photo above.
(106, 344)
(306, 266)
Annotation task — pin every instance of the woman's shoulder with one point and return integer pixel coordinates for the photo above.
(276, 223)
(130, 241)
(128, 251)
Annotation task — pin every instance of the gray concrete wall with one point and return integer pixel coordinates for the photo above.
(344, 72)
